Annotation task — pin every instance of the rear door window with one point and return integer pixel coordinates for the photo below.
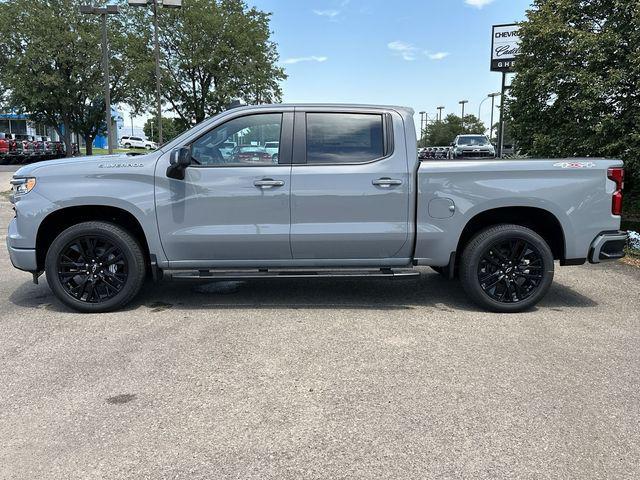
(334, 138)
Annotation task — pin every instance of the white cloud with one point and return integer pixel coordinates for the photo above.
(327, 13)
(312, 58)
(478, 3)
(437, 55)
(405, 50)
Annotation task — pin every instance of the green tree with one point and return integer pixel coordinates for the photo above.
(52, 64)
(215, 51)
(577, 88)
(170, 129)
(443, 132)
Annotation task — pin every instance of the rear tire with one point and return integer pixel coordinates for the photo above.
(95, 267)
(506, 268)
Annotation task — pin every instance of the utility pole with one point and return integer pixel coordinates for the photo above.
(103, 12)
(440, 113)
(154, 4)
(422, 126)
(157, 49)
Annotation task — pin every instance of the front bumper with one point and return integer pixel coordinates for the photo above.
(21, 258)
(471, 154)
(608, 246)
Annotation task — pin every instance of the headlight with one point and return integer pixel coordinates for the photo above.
(22, 186)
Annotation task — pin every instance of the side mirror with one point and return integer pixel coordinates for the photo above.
(180, 159)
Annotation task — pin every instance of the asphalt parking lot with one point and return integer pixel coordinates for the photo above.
(321, 379)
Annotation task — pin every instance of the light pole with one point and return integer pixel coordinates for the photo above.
(422, 129)
(463, 102)
(103, 12)
(440, 113)
(154, 4)
(492, 97)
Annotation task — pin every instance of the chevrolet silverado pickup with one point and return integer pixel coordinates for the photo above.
(344, 195)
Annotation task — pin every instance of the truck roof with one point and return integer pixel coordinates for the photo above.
(406, 110)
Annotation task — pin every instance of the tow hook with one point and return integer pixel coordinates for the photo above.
(36, 275)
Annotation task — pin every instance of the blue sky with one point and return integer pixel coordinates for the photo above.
(419, 53)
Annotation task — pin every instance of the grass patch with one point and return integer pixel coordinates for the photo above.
(104, 151)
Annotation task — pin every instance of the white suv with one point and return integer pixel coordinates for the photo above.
(137, 142)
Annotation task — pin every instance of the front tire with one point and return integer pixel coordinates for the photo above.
(506, 268)
(95, 267)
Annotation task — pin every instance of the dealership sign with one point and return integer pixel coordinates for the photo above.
(505, 44)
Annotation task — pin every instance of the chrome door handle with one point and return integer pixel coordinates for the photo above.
(268, 183)
(386, 182)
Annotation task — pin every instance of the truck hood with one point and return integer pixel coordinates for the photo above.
(100, 161)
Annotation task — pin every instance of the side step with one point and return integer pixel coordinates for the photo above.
(286, 273)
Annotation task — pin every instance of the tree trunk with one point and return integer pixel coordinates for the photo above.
(88, 140)
(66, 138)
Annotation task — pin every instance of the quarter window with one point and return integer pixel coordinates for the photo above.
(244, 141)
(344, 137)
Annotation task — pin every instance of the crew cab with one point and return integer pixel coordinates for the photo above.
(345, 195)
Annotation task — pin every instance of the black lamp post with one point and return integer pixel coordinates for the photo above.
(103, 12)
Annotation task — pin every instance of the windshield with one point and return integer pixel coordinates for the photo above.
(473, 140)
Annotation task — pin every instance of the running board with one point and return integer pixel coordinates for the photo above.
(275, 273)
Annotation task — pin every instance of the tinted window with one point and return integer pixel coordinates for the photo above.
(249, 133)
(344, 137)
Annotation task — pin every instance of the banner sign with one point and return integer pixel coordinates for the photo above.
(505, 44)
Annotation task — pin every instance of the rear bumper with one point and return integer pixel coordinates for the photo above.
(608, 246)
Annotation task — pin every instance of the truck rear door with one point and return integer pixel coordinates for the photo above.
(349, 186)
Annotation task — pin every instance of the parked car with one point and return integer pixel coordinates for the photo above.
(345, 199)
(4, 148)
(272, 148)
(250, 154)
(22, 150)
(226, 149)
(137, 142)
(472, 146)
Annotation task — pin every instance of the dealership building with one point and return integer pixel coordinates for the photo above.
(21, 124)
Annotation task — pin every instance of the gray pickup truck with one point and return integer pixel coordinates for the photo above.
(345, 195)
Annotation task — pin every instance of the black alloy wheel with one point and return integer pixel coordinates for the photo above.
(506, 268)
(511, 270)
(92, 269)
(95, 266)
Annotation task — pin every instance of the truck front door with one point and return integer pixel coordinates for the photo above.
(231, 206)
(350, 187)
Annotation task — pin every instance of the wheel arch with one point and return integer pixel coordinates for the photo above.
(59, 220)
(541, 221)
